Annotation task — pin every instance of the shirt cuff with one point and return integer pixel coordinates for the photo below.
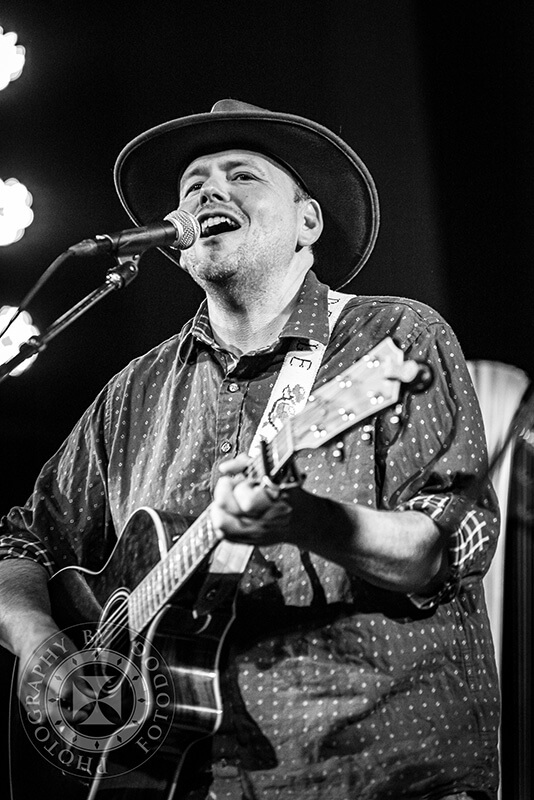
(17, 547)
(467, 533)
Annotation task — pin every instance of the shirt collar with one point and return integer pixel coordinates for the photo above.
(308, 321)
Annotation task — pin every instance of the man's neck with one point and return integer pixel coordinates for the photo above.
(256, 322)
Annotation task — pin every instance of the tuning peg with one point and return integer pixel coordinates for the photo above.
(423, 378)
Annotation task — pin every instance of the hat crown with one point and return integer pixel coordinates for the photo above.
(224, 106)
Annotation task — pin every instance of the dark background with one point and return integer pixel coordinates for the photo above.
(436, 97)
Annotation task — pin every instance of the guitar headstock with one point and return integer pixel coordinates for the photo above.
(365, 388)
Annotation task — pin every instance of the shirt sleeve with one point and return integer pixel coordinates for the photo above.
(66, 520)
(433, 459)
(25, 546)
(469, 537)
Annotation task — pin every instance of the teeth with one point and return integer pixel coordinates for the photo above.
(208, 223)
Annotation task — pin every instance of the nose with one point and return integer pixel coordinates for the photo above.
(214, 188)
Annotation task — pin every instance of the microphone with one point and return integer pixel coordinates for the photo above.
(179, 230)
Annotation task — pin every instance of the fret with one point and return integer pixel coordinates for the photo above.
(152, 586)
(175, 572)
(184, 555)
(198, 543)
(188, 554)
(135, 608)
(167, 582)
(211, 537)
(158, 594)
(146, 595)
(133, 612)
(144, 616)
(141, 592)
(175, 555)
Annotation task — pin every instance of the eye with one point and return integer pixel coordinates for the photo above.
(194, 187)
(243, 176)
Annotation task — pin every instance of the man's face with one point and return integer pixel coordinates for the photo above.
(245, 203)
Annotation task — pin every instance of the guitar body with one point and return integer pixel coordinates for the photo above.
(182, 640)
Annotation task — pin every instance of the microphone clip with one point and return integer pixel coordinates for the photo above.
(124, 272)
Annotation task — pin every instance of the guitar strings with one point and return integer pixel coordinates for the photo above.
(118, 620)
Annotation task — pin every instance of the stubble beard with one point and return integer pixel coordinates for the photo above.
(242, 273)
(212, 270)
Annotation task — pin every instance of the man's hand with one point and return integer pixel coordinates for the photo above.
(47, 653)
(403, 552)
(29, 631)
(247, 512)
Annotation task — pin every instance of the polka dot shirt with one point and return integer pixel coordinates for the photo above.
(331, 687)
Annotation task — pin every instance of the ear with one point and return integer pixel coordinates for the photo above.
(311, 224)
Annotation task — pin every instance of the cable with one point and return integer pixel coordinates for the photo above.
(47, 274)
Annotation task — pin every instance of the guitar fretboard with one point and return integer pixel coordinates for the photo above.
(169, 574)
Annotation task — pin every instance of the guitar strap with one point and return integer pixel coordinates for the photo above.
(289, 395)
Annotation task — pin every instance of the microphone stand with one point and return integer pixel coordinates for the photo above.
(116, 278)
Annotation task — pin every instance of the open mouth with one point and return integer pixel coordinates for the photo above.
(213, 226)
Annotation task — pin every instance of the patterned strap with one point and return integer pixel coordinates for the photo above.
(292, 388)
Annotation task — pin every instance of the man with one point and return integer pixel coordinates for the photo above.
(360, 663)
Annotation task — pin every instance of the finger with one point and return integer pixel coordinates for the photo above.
(231, 526)
(262, 521)
(252, 499)
(224, 497)
(241, 497)
(233, 466)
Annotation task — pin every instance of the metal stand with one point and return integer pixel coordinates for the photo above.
(116, 278)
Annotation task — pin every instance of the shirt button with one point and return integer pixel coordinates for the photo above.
(225, 446)
(233, 387)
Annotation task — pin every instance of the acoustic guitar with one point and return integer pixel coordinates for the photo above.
(149, 652)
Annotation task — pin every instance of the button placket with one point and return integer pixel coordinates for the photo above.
(229, 409)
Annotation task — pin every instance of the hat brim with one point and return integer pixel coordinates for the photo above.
(148, 169)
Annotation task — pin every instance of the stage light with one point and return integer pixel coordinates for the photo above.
(12, 57)
(15, 211)
(19, 332)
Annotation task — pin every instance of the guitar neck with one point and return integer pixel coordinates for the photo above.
(171, 572)
(183, 558)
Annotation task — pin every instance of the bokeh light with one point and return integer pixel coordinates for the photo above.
(15, 211)
(12, 58)
(19, 332)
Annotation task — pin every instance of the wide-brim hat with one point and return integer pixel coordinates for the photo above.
(148, 170)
